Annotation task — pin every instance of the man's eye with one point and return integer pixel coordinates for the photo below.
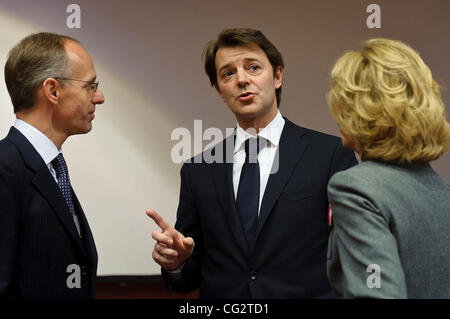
(254, 67)
(227, 74)
(91, 87)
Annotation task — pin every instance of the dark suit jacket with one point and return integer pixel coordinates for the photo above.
(288, 259)
(38, 237)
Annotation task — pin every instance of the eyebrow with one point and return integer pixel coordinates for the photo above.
(92, 79)
(245, 60)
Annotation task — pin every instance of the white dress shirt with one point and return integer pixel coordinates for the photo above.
(266, 159)
(41, 143)
(266, 156)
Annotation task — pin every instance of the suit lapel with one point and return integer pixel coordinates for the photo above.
(45, 183)
(88, 239)
(290, 149)
(223, 180)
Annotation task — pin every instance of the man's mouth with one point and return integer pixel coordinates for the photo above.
(246, 96)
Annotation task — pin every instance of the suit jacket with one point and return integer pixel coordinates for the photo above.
(396, 217)
(288, 259)
(38, 237)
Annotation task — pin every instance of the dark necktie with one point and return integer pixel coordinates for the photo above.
(62, 174)
(247, 199)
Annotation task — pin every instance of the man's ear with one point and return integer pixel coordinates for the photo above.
(51, 90)
(278, 77)
(218, 92)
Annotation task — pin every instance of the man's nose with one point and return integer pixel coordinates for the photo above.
(242, 78)
(98, 97)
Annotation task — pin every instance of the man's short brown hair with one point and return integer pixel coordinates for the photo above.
(236, 37)
(36, 58)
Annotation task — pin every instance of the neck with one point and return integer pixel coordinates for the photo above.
(257, 123)
(43, 123)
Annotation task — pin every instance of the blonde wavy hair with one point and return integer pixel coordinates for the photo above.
(386, 102)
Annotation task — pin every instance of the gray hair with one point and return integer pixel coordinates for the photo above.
(36, 58)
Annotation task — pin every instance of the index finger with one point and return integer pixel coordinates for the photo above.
(158, 219)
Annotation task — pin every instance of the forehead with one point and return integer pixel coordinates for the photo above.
(79, 60)
(238, 54)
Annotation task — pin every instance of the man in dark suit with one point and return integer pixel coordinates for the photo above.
(255, 218)
(46, 246)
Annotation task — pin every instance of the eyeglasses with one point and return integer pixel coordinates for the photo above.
(93, 85)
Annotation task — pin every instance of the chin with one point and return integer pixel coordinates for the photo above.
(249, 109)
(252, 112)
(87, 129)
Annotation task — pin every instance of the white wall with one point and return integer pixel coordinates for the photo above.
(148, 60)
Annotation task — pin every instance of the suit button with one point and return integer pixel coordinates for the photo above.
(253, 276)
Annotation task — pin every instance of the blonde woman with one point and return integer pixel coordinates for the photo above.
(391, 214)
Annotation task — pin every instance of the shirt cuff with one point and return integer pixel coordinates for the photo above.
(176, 273)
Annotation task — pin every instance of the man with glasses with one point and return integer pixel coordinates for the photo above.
(46, 246)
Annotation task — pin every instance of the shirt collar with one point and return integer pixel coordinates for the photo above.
(41, 143)
(272, 133)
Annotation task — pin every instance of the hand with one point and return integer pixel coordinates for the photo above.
(171, 248)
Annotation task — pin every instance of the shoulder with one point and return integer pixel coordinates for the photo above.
(358, 173)
(378, 173)
(356, 193)
(5, 145)
(366, 178)
(11, 161)
(220, 153)
(324, 150)
(378, 182)
(316, 136)
(9, 154)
